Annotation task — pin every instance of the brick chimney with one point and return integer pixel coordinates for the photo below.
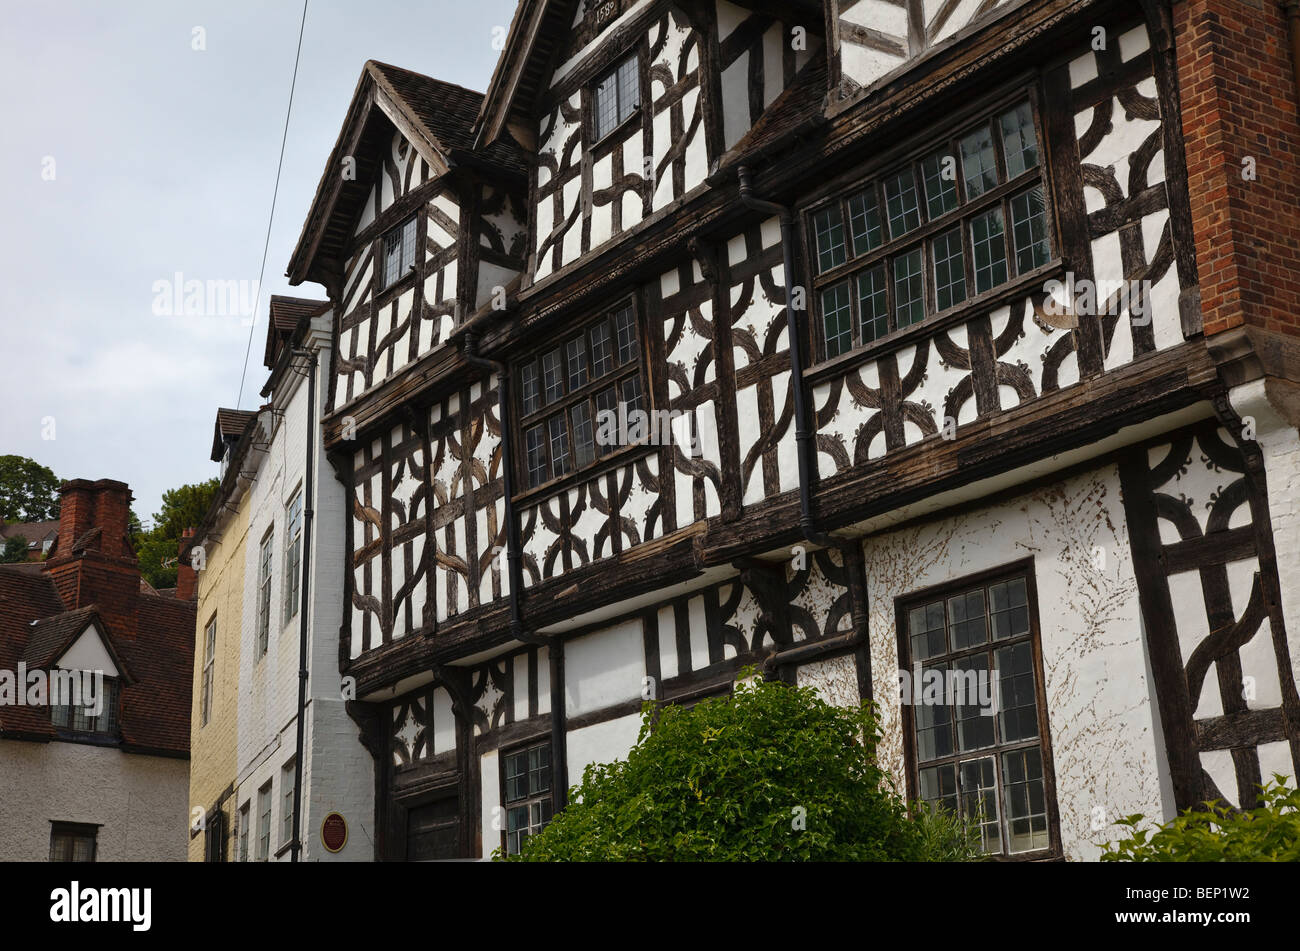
(1241, 127)
(186, 579)
(92, 561)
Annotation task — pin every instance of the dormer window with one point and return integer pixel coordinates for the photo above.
(399, 252)
(81, 717)
(617, 95)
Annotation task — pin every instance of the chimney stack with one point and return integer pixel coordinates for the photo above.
(186, 579)
(92, 561)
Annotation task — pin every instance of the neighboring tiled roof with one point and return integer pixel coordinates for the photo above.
(797, 107)
(49, 637)
(156, 709)
(31, 532)
(157, 661)
(231, 424)
(286, 313)
(26, 594)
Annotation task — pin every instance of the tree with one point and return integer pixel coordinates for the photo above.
(29, 492)
(157, 547)
(1268, 833)
(15, 550)
(771, 773)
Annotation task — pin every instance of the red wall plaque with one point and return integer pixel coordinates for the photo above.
(334, 832)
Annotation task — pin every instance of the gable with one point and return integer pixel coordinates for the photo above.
(88, 652)
(402, 130)
(396, 170)
(593, 22)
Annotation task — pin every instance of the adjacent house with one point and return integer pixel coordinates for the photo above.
(275, 529)
(214, 720)
(38, 536)
(94, 695)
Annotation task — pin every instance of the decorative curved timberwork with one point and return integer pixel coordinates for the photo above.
(1223, 669)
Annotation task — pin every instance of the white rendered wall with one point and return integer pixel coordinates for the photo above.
(139, 802)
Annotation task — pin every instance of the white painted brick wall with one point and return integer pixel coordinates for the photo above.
(337, 771)
(139, 802)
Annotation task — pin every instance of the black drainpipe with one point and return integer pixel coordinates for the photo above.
(804, 449)
(554, 645)
(304, 594)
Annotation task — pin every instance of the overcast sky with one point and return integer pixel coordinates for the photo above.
(130, 156)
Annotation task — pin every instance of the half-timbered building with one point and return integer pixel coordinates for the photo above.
(857, 341)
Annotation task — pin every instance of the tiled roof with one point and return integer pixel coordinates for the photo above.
(448, 113)
(157, 660)
(231, 424)
(31, 532)
(49, 637)
(26, 594)
(156, 708)
(286, 313)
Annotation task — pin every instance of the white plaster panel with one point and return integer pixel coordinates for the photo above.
(604, 668)
(601, 743)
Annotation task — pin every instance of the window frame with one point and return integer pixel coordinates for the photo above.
(523, 422)
(595, 136)
(913, 764)
(407, 258)
(214, 836)
(292, 557)
(265, 582)
(263, 842)
(545, 798)
(74, 831)
(245, 823)
(209, 670)
(287, 785)
(911, 155)
(108, 724)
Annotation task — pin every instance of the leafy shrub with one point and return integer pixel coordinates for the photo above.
(1268, 833)
(772, 773)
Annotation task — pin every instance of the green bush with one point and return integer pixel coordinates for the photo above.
(772, 773)
(1268, 833)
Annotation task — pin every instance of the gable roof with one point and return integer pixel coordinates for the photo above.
(285, 315)
(49, 638)
(536, 30)
(436, 117)
(230, 425)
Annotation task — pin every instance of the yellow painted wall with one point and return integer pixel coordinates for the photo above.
(212, 746)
